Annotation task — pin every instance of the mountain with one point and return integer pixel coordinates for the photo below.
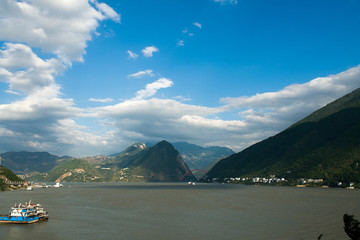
(7, 175)
(72, 170)
(197, 157)
(25, 162)
(161, 162)
(126, 157)
(324, 145)
(133, 149)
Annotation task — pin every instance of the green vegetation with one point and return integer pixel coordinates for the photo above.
(137, 163)
(325, 145)
(159, 163)
(73, 170)
(7, 175)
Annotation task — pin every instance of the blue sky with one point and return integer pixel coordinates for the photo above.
(92, 77)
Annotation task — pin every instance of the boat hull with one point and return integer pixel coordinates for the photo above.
(19, 220)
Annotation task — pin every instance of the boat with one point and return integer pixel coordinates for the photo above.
(58, 185)
(25, 213)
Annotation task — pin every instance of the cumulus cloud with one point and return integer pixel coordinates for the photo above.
(25, 71)
(132, 55)
(141, 74)
(152, 119)
(60, 27)
(258, 116)
(41, 119)
(152, 88)
(148, 51)
(297, 100)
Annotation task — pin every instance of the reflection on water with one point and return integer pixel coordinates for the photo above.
(182, 211)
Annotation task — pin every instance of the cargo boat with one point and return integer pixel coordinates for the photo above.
(25, 213)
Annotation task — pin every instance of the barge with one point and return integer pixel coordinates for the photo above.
(25, 213)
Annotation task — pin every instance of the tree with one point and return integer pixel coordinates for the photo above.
(351, 227)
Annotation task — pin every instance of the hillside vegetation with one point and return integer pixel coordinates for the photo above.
(137, 163)
(7, 175)
(325, 145)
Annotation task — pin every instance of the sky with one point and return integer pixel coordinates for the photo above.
(89, 77)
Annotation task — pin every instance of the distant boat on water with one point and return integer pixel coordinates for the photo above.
(58, 185)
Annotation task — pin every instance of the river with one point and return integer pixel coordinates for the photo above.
(180, 211)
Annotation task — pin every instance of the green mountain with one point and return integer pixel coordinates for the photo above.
(72, 170)
(7, 175)
(197, 157)
(131, 150)
(161, 162)
(136, 163)
(126, 157)
(324, 145)
(26, 162)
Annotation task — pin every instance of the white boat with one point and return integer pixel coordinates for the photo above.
(58, 185)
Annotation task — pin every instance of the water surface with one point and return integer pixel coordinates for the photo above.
(180, 211)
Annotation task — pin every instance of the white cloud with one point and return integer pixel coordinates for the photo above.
(42, 118)
(297, 100)
(25, 71)
(180, 43)
(148, 51)
(226, 2)
(196, 24)
(60, 27)
(152, 88)
(108, 11)
(141, 74)
(182, 98)
(37, 120)
(101, 100)
(132, 55)
(259, 116)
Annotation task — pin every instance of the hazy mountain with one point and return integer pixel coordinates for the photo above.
(197, 157)
(25, 162)
(326, 145)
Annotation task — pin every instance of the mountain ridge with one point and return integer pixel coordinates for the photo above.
(323, 145)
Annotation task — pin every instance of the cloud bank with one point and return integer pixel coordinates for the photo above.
(41, 119)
